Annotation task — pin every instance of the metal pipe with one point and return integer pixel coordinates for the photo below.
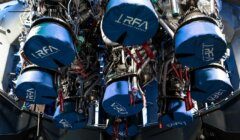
(144, 109)
(123, 56)
(96, 121)
(143, 66)
(69, 8)
(38, 124)
(144, 115)
(175, 8)
(166, 27)
(212, 6)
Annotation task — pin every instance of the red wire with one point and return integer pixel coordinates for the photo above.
(140, 57)
(148, 51)
(60, 96)
(175, 70)
(160, 123)
(186, 75)
(188, 101)
(131, 55)
(131, 99)
(180, 73)
(81, 70)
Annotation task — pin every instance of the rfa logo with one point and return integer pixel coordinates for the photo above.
(65, 123)
(207, 52)
(183, 123)
(31, 94)
(216, 95)
(119, 108)
(45, 51)
(132, 22)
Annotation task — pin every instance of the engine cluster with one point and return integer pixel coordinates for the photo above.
(122, 64)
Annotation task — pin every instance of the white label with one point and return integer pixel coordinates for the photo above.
(45, 51)
(176, 124)
(65, 123)
(207, 52)
(216, 95)
(119, 108)
(132, 22)
(30, 94)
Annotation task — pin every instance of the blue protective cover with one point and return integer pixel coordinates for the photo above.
(210, 85)
(132, 130)
(116, 101)
(130, 22)
(178, 116)
(36, 86)
(69, 118)
(151, 93)
(49, 45)
(199, 43)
